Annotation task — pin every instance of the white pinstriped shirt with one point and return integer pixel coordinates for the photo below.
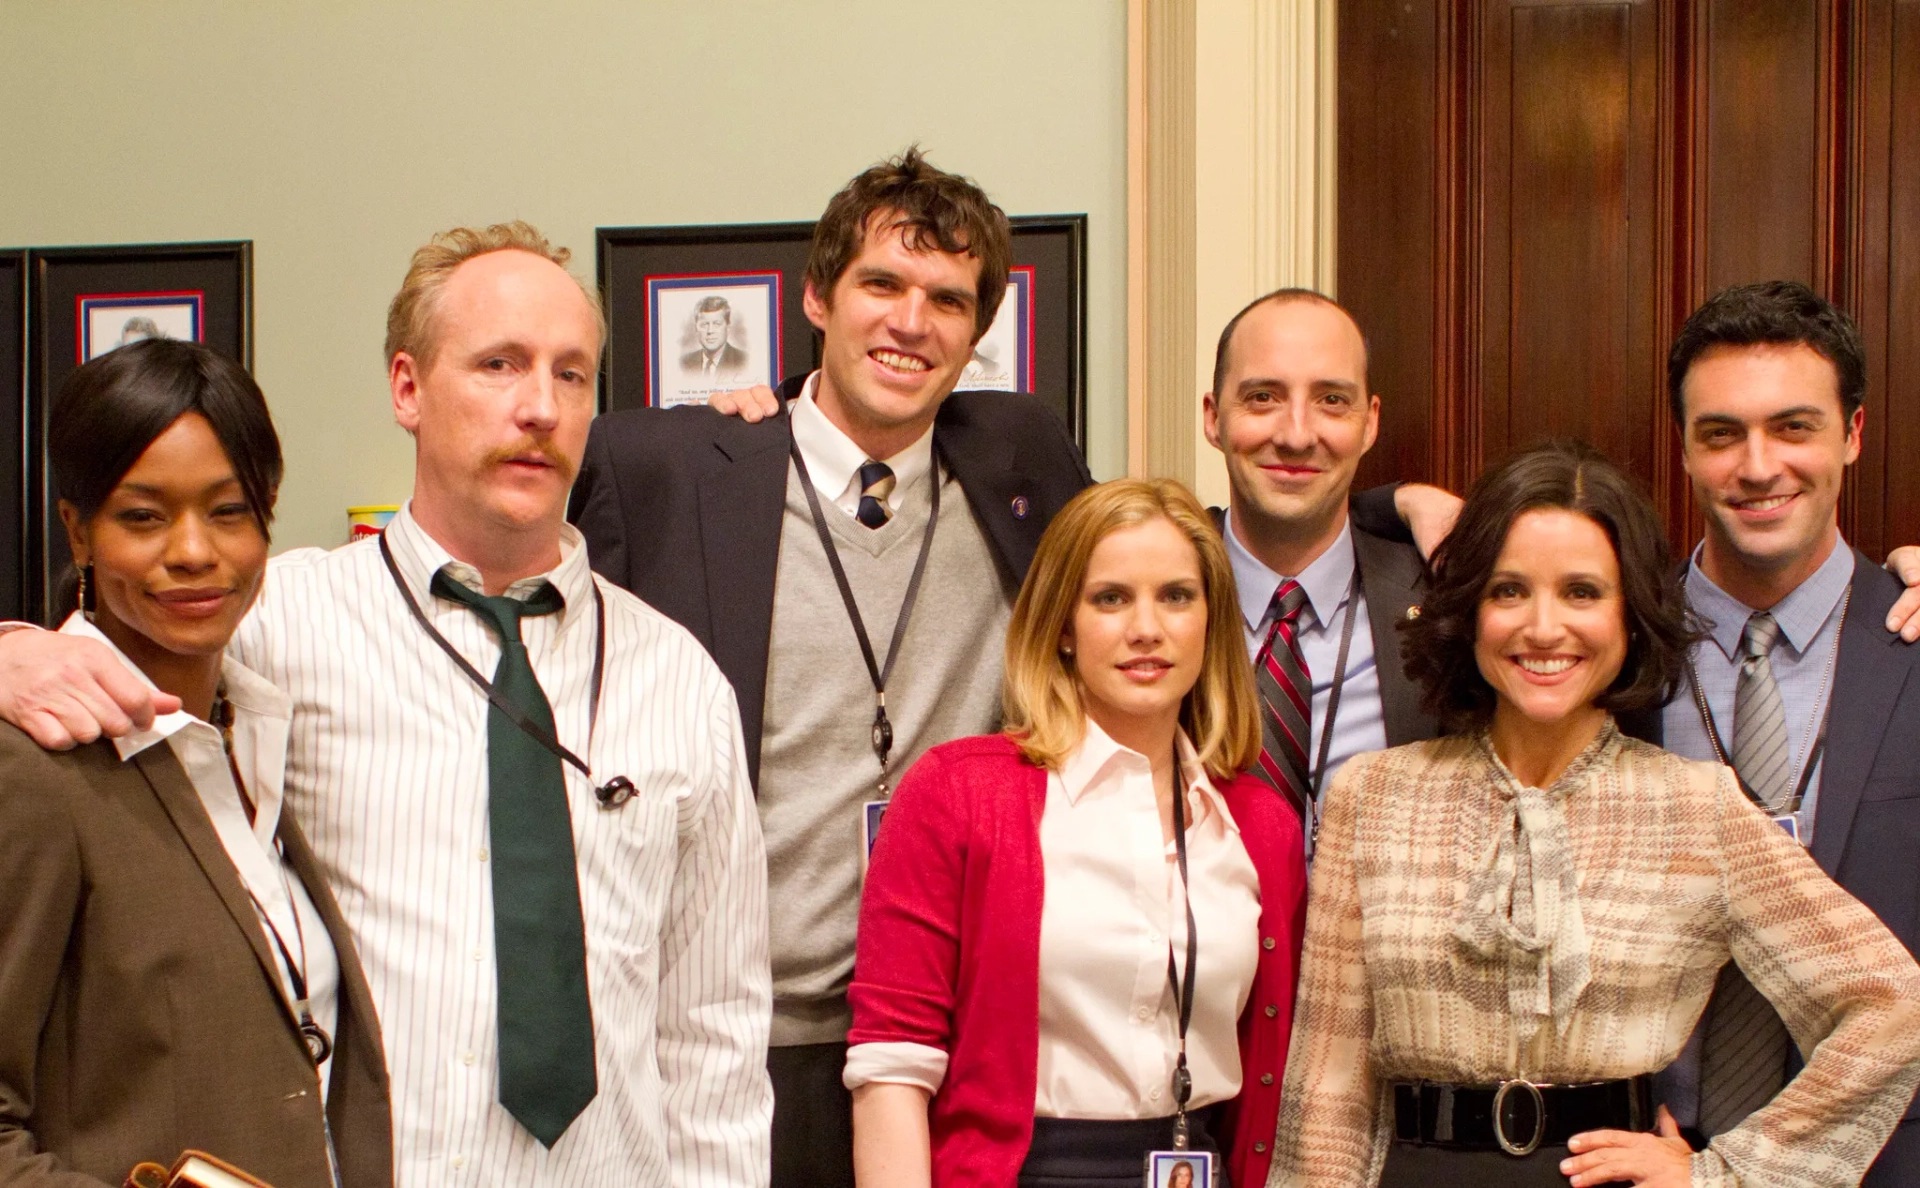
(387, 771)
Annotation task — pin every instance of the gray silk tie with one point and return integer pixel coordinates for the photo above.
(1744, 1060)
(1761, 753)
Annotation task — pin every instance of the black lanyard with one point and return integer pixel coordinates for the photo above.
(1182, 988)
(319, 1043)
(878, 673)
(1319, 773)
(612, 794)
(1819, 739)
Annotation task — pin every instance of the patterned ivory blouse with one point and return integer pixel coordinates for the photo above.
(1464, 928)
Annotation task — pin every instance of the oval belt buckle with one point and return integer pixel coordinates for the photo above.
(1500, 1117)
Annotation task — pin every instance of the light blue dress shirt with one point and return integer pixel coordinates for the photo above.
(1802, 662)
(1809, 621)
(1360, 723)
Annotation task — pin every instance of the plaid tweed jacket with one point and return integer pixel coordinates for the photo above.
(1461, 928)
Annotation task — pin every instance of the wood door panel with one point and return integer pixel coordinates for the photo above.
(1388, 87)
(1534, 195)
(1899, 426)
(1763, 142)
(1565, 352)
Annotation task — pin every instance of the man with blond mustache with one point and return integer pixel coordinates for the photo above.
(779, 543)
(570, 971)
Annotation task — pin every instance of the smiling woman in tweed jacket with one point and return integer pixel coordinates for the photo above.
(1511, 928)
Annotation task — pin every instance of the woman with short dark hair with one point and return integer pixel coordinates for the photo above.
(174, 973)
(1512, 928)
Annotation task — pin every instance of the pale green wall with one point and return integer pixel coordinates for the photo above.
(338, 136)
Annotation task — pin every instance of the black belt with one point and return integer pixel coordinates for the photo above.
(1516, 1116)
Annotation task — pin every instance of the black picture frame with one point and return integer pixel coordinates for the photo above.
(13, 433)
(632, 262)
(626, 258)
(63, 285)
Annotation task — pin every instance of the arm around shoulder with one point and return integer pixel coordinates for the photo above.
(62, 690)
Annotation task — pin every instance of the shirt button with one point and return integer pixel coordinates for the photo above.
(1259, 1147)
(1143, 1014)
(1154, 1096)
(1272, 1011)
(1266, 942)
(479, 955)
(458, 1161)
(1266, 1078)
(467, 1058)
(481, 854)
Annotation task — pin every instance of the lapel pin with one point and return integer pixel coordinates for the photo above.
(1019, 507)
(1413, 612)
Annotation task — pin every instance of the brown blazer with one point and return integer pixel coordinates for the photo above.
(139, 1009)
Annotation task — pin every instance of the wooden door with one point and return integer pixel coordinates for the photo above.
(1533, 194)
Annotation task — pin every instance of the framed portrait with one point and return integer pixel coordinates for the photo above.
(13, 433)
(1003, 358)
(83, 302)
(104, 321)
(1180, 1169)
(711, 332)
(652, 278)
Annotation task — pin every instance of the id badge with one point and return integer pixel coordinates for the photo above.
(1179, 1169)
(1790, 823)
(870, 814)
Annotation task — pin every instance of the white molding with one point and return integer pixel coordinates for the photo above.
(1161, 231)
(1231, 118)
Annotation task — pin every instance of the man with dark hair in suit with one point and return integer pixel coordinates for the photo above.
(875, 534)
(713, 358)
(1797, 685)
(1319, 593)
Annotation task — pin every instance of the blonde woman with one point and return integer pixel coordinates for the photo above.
(1033, 895)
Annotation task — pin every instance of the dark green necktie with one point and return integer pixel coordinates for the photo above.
(539, 935)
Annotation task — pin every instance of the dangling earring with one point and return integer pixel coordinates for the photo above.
(86, 590)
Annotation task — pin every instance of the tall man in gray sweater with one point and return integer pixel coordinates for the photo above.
(883, 506)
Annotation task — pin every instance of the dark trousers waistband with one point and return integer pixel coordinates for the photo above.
(1516, 1116)
(1093, 1153)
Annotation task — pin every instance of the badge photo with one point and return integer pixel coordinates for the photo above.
(870, 814)
(1180, 1169)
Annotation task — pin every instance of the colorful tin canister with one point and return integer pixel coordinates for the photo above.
(368, 521)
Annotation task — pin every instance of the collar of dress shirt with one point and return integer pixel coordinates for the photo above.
(1800, 614)
(251, 695)
(419, 557)
(1326, 579)
(833, 461)
(1096, 756)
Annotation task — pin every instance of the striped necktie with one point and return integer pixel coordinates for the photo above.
(1760, 751)
(876, 483)
(1286, 699)
(1743, 1060)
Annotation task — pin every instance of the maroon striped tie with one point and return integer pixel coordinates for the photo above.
(1286, 699)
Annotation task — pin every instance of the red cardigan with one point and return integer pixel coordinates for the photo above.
(949, 954)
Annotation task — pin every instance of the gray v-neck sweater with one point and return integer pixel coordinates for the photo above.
(817, 766)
